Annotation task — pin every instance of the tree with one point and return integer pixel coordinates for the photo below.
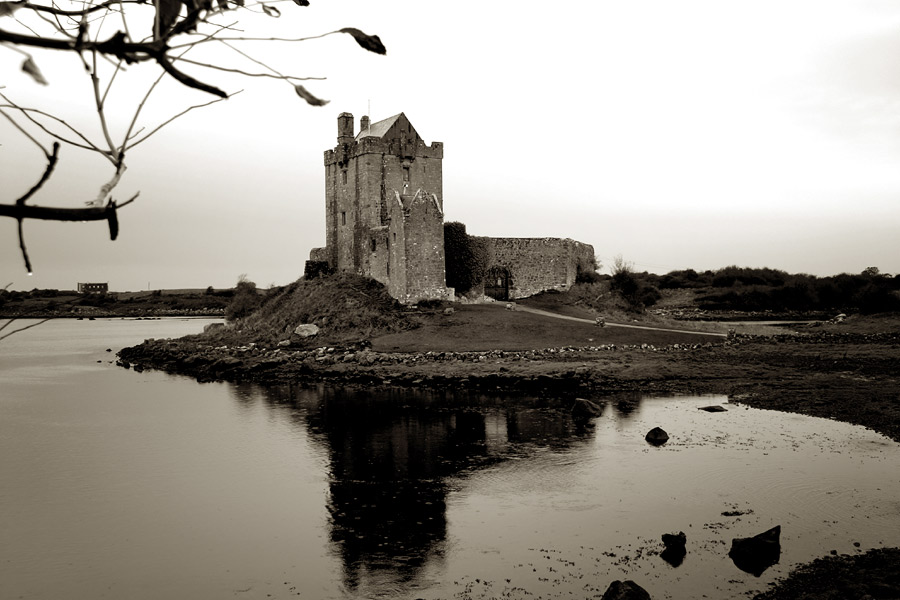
(158, 33)
(466, 258)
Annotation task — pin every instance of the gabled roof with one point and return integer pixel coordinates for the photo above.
(378, 129)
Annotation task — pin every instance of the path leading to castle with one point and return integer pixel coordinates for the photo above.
(545, 313)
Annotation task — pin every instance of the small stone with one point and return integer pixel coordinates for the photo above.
(625, 590)
(306, 330)
(657, 436)
(714, 408)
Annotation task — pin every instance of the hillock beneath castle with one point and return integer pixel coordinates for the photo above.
(346, 308)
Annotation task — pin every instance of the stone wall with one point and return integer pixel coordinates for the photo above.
(384, 219)
(538, 264)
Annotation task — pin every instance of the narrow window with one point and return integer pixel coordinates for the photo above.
(344, 176)
(374, 247)
(343, 218)
(406, 173)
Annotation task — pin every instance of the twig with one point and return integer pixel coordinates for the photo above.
(98, 100)
(20, 328)
(25, 133)
(77, 13)
(186, 79)
(185, 111)
(26, 111)
(51, 163)
(248, 74)
(24, 249)
(257, 39)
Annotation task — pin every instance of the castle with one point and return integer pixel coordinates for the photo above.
(384, 219)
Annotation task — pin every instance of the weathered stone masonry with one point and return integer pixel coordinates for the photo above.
(384, 219)
(522, 267)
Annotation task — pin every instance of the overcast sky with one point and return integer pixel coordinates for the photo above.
(676, 134)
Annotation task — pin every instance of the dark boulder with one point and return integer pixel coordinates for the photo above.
(585, 409)
(625, 590)
(675, 548)
(756, 554)
(714, 408)
(657, 436)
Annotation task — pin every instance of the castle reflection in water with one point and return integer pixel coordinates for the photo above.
(394, 455)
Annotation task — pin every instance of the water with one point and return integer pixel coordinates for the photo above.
(116, 484)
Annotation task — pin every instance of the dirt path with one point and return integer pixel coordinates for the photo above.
(545, 313)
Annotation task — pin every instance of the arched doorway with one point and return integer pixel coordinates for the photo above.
(496, 283)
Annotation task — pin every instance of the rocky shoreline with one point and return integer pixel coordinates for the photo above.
(846, 376)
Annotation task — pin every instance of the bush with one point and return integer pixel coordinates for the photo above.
(245, 300)
(586, 271)
(316, 268)
(634, 289)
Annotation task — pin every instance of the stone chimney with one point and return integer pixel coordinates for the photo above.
(363, 124)
(345, 128)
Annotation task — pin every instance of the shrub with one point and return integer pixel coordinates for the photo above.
(316, 268)
(586, 270)
(634, 289)
(244, 301)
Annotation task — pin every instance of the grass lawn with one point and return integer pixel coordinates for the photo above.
(492, 327)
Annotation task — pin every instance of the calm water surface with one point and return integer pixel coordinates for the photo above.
(116, 484)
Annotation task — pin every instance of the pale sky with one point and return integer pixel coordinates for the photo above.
(676, 134)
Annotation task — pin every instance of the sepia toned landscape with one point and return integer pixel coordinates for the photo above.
(362, 300)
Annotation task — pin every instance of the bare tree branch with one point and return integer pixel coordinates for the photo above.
(89, 9)
(182, 113)
(47, 213)
(51, 163)
(20, 328)
(24, 132)
(26, 112)
(187, 80)
(247, 74)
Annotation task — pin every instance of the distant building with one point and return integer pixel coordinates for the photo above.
(93, 288)
(384, 219)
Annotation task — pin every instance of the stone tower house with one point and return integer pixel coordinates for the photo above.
(384, 215)
(384, 219)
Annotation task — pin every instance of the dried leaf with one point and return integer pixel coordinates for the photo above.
(30, 67)
(271, 11)
(310, 99)
(370, 42)
(8, 8)
(166, 15)
(301, 2)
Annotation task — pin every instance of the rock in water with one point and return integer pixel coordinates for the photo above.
(714, 408)
(675, 548)
(585, 409)
(625, 590)
(657, 436)
(756, 554)
(306, 330)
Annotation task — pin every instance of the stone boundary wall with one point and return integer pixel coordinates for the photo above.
(539, 264)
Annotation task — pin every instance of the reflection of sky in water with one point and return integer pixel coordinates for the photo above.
(143, 485)
(518, 491)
